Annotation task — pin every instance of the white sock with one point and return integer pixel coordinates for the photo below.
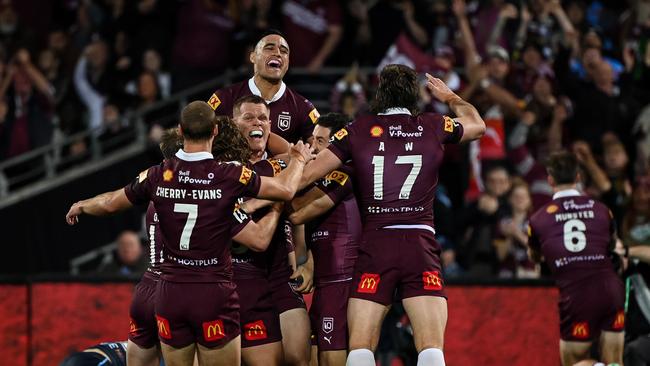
(431, 357)
(360, 357)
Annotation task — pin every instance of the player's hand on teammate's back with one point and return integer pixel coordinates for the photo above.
(302, 152)
(72, 217)
(439, 89)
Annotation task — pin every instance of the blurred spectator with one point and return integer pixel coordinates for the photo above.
(202, 43)
(313, 29)
(89, 77)
(636, 223)
(348, 96)
(152, 63)
(617, 167)
(13, 35)
(387, 19)
(129, 258)
(511, 237)
(642, 131)
(478, 221)
(600, 105)
(443, 213)
(29, 104)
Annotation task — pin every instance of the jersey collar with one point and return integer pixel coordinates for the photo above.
(566, 193)
(256, 91)
(391, 111)
(197, 156)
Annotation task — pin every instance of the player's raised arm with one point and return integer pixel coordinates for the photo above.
(257, 235)
(466, 114)
(101, 205)
(284, 185)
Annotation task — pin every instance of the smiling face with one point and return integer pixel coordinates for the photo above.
(271, 58)
(252, 119)
(321, 138)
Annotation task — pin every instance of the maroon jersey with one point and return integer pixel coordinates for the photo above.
(248, 264)
(155, 240)
(193, 196)
(335, 235)
(292, 115)
(574, 234)
(396, 158)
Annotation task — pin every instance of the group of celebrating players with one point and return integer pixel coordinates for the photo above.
(228, 206)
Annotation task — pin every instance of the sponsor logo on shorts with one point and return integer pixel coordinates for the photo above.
(255, 331)
(432, 280)
(368, 283)
(580, 330)
(168, 175)
(376, 131)
(245, 176)
(619, 322)
(328, 324)
(164, 331)
(551, 209)
(213, 330)
(313, 115)
(214, 101)
(341, 134)
(449, 124)
(133, 328)
(284, 121)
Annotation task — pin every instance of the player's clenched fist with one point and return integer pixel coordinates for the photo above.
(301, 152)
(439, 89)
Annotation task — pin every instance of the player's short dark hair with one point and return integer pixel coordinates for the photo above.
(170, 142)
(269, 32)
(197, 121)
(398, 88)
(230, 144)
(333, 121)
(254, 99)
(563, 167)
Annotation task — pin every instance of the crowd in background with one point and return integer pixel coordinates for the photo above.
(545, 74)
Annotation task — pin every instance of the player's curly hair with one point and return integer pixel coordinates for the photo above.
(230, 144)
(170, 142)
(398, 88)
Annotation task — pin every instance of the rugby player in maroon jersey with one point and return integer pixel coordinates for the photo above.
(396, 154)
(574, 235)
(251, 116)
(291, 115)
(143, 341)
(196, 304)
(335, 228)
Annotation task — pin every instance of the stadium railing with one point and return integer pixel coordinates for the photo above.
(49, 166)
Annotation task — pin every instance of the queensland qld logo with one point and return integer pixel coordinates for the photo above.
(284, 121)
(328, 324)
